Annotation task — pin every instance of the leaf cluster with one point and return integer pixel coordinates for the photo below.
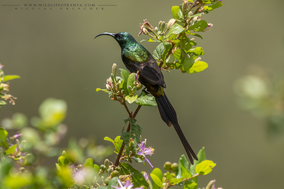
(177, 48)
(123, 89)
(4, 87)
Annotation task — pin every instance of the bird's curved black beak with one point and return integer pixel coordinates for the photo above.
(105, 33)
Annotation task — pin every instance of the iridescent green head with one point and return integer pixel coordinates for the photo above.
(123, 38)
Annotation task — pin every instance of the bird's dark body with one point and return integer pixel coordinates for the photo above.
(137, 58)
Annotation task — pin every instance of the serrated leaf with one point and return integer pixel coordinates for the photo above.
(190, 185)
(145, 100)
(125, 136)
(137, 177)
(3, 136)
(199, 26)
(176, 12)
(205, 167)
(175, 29)
(117, 144)
(131, 99)
(183, 170)
(198, 66)
(11, 149)
(177, 53)
(10, 77)
(158, 52)
(136, 131)
(108, 139)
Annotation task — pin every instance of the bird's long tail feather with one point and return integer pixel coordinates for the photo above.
(169, 116)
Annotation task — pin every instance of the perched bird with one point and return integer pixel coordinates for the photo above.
(137, 58)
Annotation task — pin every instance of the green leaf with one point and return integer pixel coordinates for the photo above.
(18, 181)
(145, 100)
(131, 99)
(11, 149)
(130, 83)
(187, 64)
(112, 182)
(124, 73)
(108, 139)
(6, 164)
(97, 168)
(198, 66)
(137, 177)
(58, 167)
(212, 7)
(53, 111)
(157, 177)
(176, 12)
(177, 53)
(125, 136)
(101, 187)
(3, 136)
(89, 163)
(136, 131)
(201, 157)
(19, 120)
(167, 47)
(2, 103)
(205, 167)
(66, 178)
(149, 40)
(199, 26)
(175, 29)
(197, 51)
(194, 34)
(190, 185)
(196, 15)
(63, 161)
(158, 52)
(183, 171)
(117, 144)
(175, 181)
(10, 77)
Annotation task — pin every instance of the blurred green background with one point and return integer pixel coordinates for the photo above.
(55, 54)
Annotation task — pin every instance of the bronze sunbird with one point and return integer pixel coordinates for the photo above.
(137, 58)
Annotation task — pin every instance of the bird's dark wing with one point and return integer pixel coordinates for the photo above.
(152, 76)
(148, 68)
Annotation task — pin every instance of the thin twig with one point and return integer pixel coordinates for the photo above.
(128, 129)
